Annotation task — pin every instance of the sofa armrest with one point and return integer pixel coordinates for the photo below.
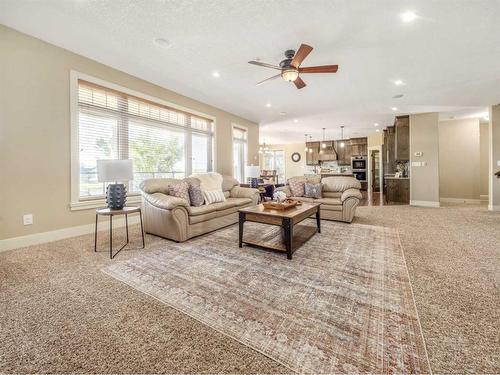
(285, 189)
(164, 201)
(350, 193)
(243, 192)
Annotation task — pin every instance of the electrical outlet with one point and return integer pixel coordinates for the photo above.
(28, 219)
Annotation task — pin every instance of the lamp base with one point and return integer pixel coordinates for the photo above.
(116, 196)
(254, 182)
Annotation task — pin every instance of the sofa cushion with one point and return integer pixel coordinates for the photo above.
(296, 185)
(180, 190)
(201, 218)
(239, 201)
(196, 196)
(332, 194)
(303, 199)
(200, 210)
(228, 182)
(232, 205)
(330, 207)
(209, 181)
(220, 206)
(157, 185)
(312, 190)
(340, 183)
(213, 196)
(329, 201)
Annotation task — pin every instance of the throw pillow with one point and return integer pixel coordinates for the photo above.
(196, 196)
(213, 196)
(297, 186)
(179, 190)
(312, 190)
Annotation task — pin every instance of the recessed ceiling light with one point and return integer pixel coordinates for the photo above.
(377, 130)
(216, 74)
(268, 105)
(163, 43)
(398, 82)
(296, 121)
(394, 108)
(282, 113)
(408, 16)
(376, 124)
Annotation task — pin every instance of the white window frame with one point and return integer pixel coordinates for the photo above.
(245, 128)
(273, 151)
(76, 202)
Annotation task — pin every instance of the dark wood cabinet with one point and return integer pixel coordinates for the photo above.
(312, 154)
(402, 138)
(397, 190)
(343, 152)
(359, 146)
(389, 154)
(327, 153)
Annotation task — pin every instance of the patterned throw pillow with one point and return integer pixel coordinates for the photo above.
(196, 196)
(213, 196)
(179, 190)
(297, 186)
(312, 190)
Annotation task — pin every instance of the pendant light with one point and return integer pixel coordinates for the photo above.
(342, 143)
(310, 139)
(323, 145)
(305, 142)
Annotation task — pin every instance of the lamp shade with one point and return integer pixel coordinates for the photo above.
(114, 170)
(252, 171)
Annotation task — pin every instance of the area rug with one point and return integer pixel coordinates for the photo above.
(344, 304)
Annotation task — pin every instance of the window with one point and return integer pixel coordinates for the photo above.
(275, 160)
(161, 141)
(239, 153)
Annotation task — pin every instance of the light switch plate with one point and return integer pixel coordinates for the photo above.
(28, 219)
(419, 153)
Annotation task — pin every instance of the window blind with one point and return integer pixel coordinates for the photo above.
(161, 141)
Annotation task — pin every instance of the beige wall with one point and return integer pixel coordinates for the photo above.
(375, 139)
(291, 168)
(494, 158)
(459, 159)
(35, 131)
(424, 137)
(483, 160)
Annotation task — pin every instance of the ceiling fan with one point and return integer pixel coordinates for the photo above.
(290, 67)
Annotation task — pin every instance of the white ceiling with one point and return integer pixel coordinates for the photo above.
(449, 58)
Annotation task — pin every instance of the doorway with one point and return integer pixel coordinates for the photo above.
(375, 170)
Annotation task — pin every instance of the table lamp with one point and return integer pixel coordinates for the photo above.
(115, 170)
(253, 173)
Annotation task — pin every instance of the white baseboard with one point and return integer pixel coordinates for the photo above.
(60, 234)
(424, 203)
(459, 200)
(484, 197)
(493, 207)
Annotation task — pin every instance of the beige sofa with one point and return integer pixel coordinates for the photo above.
(173, 218)
(340, 196)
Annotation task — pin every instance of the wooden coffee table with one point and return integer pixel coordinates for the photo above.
(293, 235)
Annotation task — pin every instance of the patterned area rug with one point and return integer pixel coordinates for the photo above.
(343, 304)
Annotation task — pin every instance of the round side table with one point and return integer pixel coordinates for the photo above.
(109, 212)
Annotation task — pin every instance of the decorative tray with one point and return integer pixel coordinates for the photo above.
(286, 204)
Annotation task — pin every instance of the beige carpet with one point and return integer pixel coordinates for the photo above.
(60, 313)
(343, 304)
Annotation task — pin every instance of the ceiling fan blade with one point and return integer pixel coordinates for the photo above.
(265, 65)
(319, 69)
(301, 54)
(268, 79)
(299, 83)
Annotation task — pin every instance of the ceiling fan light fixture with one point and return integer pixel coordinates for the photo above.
(290, 74)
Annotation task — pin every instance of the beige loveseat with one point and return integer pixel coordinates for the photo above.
(173, 218)
(340, 196)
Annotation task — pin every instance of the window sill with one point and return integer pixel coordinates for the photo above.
(97, 203)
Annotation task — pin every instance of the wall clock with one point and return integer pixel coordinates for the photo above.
(296, 157)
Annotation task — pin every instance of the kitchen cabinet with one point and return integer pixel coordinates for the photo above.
(343, 153)
(312, 154)
(389, 154)
(359, 146)
(397, 190)
(402, 138)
